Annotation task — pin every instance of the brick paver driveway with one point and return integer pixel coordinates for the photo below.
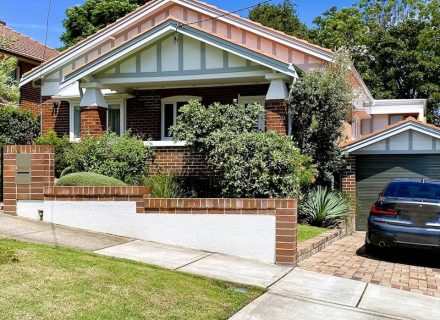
(411, 270)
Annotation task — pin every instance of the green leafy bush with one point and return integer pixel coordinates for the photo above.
(244, 162)
(89, 179)
(18, 126)
(165, 185)
(258, 165)
(62, 146)
(123, 158)
(196, 122)
(323, 207)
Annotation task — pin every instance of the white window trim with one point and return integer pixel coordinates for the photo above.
(242, 100)
(123, 124)
(172, 100)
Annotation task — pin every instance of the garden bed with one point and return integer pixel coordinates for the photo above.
(323, 238)
(45, 282)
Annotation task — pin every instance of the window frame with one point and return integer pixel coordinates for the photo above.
(243, 100)
(123, 120)
(172, 100)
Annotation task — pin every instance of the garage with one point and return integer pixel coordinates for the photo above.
(410, 149)
(373, 172)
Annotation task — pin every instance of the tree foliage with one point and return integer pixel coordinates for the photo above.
(84, 20)
(395, 46)
(9, 90)
(282, 17)
(319, 105)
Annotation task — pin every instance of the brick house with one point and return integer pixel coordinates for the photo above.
(30, 54)
(136, 73)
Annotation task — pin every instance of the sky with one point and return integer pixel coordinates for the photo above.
(29, 16)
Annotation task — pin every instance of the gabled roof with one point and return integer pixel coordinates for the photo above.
(391, 130)
(201, 7)
(26, 47)
(193, 31)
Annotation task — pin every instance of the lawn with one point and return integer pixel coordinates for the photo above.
(45, 282)
(306, 232)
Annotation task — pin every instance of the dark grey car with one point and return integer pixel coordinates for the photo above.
(407, 213)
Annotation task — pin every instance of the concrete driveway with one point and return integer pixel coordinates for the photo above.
(410, 270)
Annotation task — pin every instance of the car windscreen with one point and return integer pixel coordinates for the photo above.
(413, 189)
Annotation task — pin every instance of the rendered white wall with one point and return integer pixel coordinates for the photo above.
(246, 236)
(379, 121)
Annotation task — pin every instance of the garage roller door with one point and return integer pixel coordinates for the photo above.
(373, 172)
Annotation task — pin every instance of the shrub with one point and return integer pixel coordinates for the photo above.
(257, 164)
(320, 104)
(62, 146)
(165, 185)
(197, 122)
(17, 125)
(89, 179)
(123, 158)
(323, 207)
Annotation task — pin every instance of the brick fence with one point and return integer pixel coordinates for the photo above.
(37, 169)
(285, 212)
(252, 228)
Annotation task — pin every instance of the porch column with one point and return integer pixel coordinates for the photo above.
(276, 110)
(93, 114)
(349, 188)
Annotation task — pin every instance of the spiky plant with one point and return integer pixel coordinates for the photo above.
(323, 207)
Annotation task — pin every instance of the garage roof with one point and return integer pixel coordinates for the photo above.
(390, 131)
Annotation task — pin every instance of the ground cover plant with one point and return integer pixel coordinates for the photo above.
(46, 282)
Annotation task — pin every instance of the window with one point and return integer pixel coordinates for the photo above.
(15, 74)
(76, 122)
(114, 118)
(247, 100)
(170, 111)
(394, 118)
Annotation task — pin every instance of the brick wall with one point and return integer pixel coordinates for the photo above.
(93, 121)
(42, 174)
(179, 160)
(131, 193)
(143, 111)
(29, 95)
(349, 188)
(285, 212)
(55, 116)
(276, 116)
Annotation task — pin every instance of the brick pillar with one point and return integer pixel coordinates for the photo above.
(276, 116)
(349, 188)
(93, 121)
(24, 177)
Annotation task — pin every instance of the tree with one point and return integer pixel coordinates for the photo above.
(319, 105)
(282, 17)
(393, 44)
(9, 90)
(84, 20)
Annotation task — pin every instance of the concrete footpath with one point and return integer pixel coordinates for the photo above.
(292, 293)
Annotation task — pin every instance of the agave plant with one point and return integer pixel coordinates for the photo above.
(322, 207)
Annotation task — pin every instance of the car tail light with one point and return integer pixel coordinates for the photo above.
(390, 212)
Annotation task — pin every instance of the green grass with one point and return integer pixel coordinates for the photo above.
(306, 232)
(45, 282)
